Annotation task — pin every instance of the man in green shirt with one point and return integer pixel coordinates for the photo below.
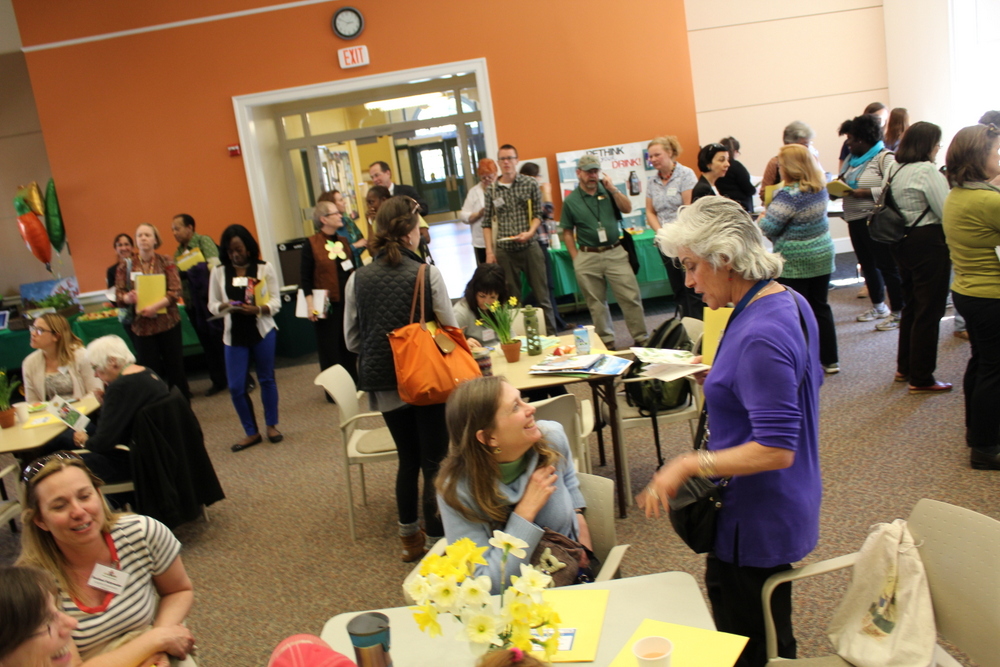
(194, 279)
(589, 211)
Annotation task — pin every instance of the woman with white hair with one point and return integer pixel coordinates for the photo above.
(795, 132)
(762, 398)
(127, 388)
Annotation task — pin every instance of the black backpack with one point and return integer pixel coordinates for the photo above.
(654, 396)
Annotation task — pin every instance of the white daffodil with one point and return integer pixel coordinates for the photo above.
(509, 544)
(444, 592)
(481, 628)
(418, 589)
(531, 582)
(476, 591)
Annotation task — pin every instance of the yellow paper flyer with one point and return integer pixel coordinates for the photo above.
(149, 290)
(581, 615)
(191, 257)
(693, 647)
(715, 322)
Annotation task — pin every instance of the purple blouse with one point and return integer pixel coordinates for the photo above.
(764, 387)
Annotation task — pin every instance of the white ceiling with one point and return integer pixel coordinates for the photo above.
(10, 40)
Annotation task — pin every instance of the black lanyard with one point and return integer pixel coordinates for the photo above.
(744, 302)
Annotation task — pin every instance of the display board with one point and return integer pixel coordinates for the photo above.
(626, 164)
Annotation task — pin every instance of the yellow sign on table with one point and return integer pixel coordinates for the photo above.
(41, 420)
(693, 647)
(715, 323)
(150, 289)
(581, 618)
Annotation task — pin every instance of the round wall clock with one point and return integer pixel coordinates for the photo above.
(347, 23)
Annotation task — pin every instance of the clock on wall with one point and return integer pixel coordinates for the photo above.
(347, 23)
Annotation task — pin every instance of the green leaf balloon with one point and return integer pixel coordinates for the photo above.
(53, 218)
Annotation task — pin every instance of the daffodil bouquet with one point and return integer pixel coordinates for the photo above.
(7, 386)
(500, 318)
(446, 585)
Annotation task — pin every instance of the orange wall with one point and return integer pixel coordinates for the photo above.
(136, 127)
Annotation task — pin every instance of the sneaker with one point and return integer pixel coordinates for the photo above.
(888, 324)
(879, 312)
(831, 369)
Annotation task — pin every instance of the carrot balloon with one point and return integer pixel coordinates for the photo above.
(33, 232)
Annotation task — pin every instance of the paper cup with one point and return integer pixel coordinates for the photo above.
(653, 652)
(22, 411)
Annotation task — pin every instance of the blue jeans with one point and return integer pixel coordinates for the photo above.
(237, 366)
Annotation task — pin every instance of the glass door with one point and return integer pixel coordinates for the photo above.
(438, 174)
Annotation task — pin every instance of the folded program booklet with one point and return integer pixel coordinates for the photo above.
(587, 364)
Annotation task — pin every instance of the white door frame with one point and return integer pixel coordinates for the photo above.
(245, 107)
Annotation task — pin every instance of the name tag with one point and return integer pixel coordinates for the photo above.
(108, 579)
(498, 202)
(602, 235)
(240, 281)
(347, 265)
(672, 192)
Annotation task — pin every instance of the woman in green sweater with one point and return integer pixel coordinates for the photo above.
(972, 230)
(795, 222)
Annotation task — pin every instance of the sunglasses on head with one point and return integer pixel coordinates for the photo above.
(36, 466)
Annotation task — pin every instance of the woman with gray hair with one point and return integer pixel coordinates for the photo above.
(762, 399)
(795, 132)
(127, 388)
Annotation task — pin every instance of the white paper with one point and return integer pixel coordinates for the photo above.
(319, 304)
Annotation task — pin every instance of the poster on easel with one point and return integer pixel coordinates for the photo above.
(628, 167)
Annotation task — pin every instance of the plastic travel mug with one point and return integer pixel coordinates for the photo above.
(653, 651)
(370, 636)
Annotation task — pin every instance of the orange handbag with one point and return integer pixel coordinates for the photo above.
(429, 365)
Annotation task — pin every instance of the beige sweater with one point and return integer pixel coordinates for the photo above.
(33, 374)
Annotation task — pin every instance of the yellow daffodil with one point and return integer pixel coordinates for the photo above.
(418, 589)
(552, 645)
(512, 301)
(426, 617)
(476, 591)
(531, 582)
(444, 592)
(479, 323)
(520, 636)
(481, 628)
(516, 607)
(430, 564)
(494, 306)
(466, 552)
(510, 544)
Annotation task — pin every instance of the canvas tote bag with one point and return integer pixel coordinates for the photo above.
(886, 618)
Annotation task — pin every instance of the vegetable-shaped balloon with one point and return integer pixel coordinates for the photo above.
(32, 197)
(53, 218)
(33, 232)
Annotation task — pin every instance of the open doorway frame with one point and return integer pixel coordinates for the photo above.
(258, 135)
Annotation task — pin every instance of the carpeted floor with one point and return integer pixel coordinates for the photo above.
(276, 557)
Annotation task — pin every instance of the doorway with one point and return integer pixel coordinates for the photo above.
(284, 179)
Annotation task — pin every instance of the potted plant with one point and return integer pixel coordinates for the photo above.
(500, 318)
(7, 387)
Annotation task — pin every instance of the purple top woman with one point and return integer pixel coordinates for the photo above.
(762, 397)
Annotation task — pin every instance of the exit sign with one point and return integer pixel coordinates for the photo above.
(354, 56)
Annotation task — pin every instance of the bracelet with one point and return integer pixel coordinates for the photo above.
(707, 463)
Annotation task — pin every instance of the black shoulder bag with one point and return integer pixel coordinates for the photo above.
(694, 511)
(627, 241)
(886, 223)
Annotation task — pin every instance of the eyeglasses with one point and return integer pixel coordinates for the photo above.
(38, 330)
(47, 630)
(35, 467)
(508, 158)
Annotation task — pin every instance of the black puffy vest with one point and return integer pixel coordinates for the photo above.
(383, 295)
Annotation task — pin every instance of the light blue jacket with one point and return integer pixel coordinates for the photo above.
(558, 514)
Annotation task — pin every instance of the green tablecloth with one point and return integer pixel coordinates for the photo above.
(652, 276)
(16, 345)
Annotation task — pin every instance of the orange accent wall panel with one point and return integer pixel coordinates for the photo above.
(136, 127)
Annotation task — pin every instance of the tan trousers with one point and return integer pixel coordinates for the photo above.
(595, 271)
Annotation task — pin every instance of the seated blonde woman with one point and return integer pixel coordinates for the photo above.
(506, 471)
(58, 366)
(70, 532)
